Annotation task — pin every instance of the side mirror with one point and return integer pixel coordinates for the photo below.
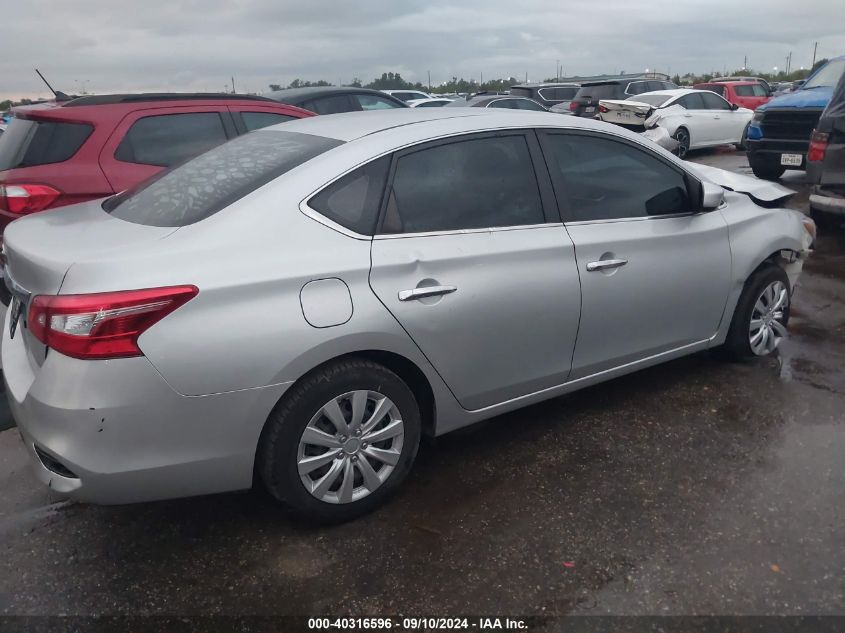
(712, 195)
(734, 106)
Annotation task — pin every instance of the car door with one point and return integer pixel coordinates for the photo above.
(729, 123)
(655, 274)
(698, 121)
(474, 263)
(147, 141)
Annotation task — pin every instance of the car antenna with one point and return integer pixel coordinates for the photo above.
(60, 96)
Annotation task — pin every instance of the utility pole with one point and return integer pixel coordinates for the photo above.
(815, 49)
(233, 84)
(557, 70)
(745, 63)
(526, 76)
(429, 81)
(481, 83)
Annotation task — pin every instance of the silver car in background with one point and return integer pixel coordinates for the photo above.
(303, 302)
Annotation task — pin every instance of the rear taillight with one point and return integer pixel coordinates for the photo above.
(23, 199)
(603, 109)
(102, 325)
(573, 106)
(818, 146)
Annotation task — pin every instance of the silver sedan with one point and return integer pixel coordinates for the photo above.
(300, 304)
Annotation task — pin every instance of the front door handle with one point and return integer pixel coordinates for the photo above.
(429, 291)
(604, 264)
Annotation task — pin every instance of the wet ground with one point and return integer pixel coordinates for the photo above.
(696, 487)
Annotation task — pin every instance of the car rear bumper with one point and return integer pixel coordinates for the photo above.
(115, 432)
(828, 200)
(770, 150)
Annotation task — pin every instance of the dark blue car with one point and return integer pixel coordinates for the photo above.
(779, 134)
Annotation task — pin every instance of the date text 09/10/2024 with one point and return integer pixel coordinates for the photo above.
(416, 624)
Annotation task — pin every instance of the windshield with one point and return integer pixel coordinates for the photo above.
(827, 76)
(655, 100)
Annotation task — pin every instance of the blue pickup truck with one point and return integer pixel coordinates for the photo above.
(779, 134)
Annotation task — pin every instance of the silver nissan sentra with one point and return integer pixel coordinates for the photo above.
(300, 304)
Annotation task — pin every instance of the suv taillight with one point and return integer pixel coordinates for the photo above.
(23, 199)
(818, 146)
(573, 106)
(105, 324)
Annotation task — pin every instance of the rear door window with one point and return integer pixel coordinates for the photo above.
(167, 139)
(469, 184)
(374, 102)
(209, 183)
(28, 143)
(331, 105)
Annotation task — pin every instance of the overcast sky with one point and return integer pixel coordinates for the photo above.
(176, 45)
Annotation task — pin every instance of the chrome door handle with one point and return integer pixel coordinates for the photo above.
(421, 293)
(604, 264)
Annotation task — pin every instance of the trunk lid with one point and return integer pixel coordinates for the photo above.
(627, 113)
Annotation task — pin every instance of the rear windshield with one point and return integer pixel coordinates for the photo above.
(28, 143)
(655, 100)
(602, 91)
(212, 181)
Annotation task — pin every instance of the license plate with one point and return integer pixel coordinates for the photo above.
(590, 109)
(16, 308)
(792, 160)
(622, 114)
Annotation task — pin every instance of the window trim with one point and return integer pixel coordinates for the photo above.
(693, 185)
(549, 213)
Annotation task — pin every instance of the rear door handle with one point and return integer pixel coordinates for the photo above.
(604, 264)
(430, 291)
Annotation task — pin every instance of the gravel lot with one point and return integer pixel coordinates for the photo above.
(696, 487)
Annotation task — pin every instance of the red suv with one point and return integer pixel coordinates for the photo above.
(746, 94)
(52, 155)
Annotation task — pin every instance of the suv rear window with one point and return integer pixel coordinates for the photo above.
(601, 91)
(212, 181)
(27, 143)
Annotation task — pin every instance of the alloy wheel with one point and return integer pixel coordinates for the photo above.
(683, 143)
(350, 446)
(766, 330)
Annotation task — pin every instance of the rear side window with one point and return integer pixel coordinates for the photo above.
(604, 179)
(354, 200)
(471, 184)
(28, 143)
(257, 120)
(201, 187)
(167, 139)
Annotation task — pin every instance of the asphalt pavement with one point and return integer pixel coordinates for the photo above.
(697, 487)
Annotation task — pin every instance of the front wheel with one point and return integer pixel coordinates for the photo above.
(761, 315)
(340, 441)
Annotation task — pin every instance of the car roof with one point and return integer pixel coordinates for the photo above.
(110, 99)
(297, 95)
(424, 123)
(674, 92)
(562, 84)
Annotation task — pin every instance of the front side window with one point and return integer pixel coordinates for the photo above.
(471, 184)
(209, 183)
(167, 139)
(353, 201)
(257, 120)
(599, 178)
(374, 102)
(712, 101)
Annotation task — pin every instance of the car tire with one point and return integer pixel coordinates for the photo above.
(682, 136)
(741, 146)
(767, 170)
(283, 446)
(739, 342)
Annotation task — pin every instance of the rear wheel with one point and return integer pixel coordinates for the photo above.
(761, 315)
(683, 138)
(766, 170)
(340, 441)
